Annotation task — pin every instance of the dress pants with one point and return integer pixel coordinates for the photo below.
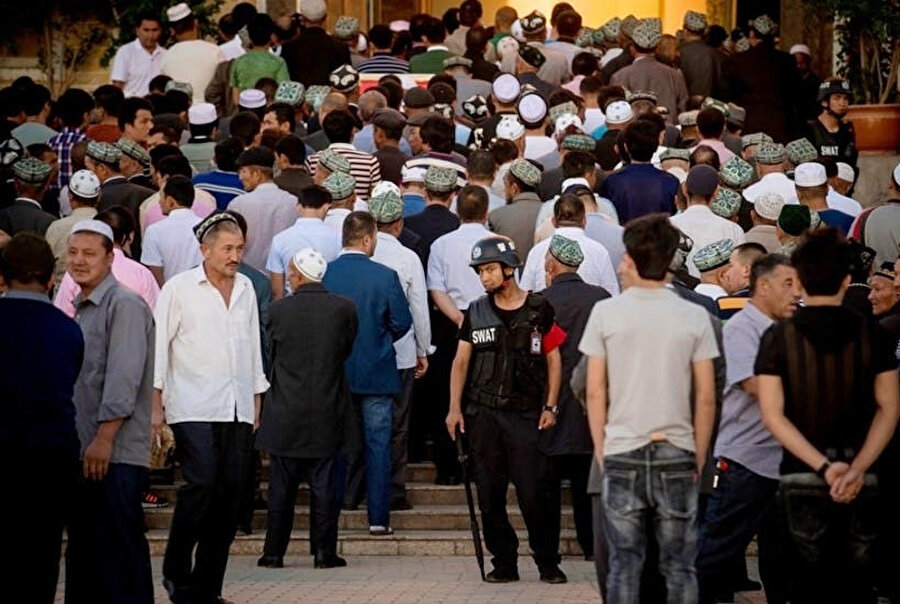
(576, 468)
(504, 447)
(400, 435)
(107, 556)
(438, 400)
(215, 461)
(285, 476)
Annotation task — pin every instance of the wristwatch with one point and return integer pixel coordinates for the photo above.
(554, 409)
(823, 468)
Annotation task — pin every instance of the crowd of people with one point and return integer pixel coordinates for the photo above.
(612, 258)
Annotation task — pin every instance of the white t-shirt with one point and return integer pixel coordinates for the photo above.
(135, 66)
(649, 338)
(194, 62)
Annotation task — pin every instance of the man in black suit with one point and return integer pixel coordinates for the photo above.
(307, 411)
(25, 213)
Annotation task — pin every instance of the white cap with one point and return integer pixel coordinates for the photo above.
(202, 113)
(93, 226)
(411, 175)
(532, 108)
(399, 25)
(387, 187)
(506, 87)
(566, 120)
(896, 174)
(84, 184)
(313, 10)
(845, 172)
(507, 46)
(178, 12)
(510, 128)
(800, 48)
(678, 173)
(362, 43)
(768, 205)
(310, 264)
(252, 98)
(618, 112)
(810, 174)
(515, 30)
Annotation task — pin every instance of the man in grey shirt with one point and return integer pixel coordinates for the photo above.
(107, 558)
(747, 456)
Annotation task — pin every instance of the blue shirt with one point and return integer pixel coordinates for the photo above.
(413, 203)
(224, 186)
(41, 352)
(306, 232)
(384, 318)
(838, 220)
(640, 189)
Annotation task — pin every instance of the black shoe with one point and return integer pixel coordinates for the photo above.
(153, 501)
(401, 505)
(350, 507)
(260, 504)
(330, 562)
(499, 575)
(553, 575)
(747, 584)
(270, 562)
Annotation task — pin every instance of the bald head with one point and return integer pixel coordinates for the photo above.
(369, 102)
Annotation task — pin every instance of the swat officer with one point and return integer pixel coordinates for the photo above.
(508, 370)
(831, 134)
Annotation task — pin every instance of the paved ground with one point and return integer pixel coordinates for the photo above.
(392, 579)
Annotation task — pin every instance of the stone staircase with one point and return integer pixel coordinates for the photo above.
(438, 524)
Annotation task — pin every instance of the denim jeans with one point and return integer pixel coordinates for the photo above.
(652, 485)
(377, 420)
(831, 549)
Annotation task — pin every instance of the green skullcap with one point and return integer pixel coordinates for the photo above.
(713, 255)
(566, 251)
(736, 173)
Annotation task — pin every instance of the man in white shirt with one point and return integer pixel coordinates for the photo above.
(569, 219)
(712, 262)
(771, 167)
(698, 221)
(413, 348)
(139, 61)
(191, 59)
(267, 209)
(208, 381)
(309, 231)
(341, 186)
(170, 246)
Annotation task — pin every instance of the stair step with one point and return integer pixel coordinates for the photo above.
(360, 543)
(415, 472)
(428, 518)
(417, 493)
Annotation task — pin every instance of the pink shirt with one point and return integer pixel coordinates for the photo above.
(574, 85)
(719, 147)
(131, 274)
(204, 205)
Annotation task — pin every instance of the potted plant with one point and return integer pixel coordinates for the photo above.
(867, 36)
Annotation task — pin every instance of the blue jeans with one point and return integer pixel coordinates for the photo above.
(651, 485)
(377, 420)
(831, 553)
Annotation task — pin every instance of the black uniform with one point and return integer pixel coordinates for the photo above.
(504, 395)
(840, 145)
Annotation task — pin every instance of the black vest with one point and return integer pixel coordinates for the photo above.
(503, 372)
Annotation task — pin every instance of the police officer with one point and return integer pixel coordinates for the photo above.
(508, 370)
(830, 133)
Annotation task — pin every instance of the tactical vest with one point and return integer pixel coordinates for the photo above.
(840, 145)
(504, 373)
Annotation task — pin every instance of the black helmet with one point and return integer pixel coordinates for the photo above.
(494, 249)
(834, 86)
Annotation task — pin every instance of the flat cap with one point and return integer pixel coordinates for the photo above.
(346, 28)
(133, 150)
(525, 171)
(768, 205)
(695, 22)
(261, 157)
(702, 180)
(31, 170)
(566, 250)
(340, 184)
(794, 219)
(103, 152)
(344, 79)
(418, 98)
(756, 138)
(736, 173)
(800, 151)
(714, 255)
(290, 93)
(334, 162)
(534, 22)
(770, 153)
(440, 179)
(388, 118)
(726, 202)
(386, 207)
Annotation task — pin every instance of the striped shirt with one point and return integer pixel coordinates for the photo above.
(440, 160)
(62, 145)
(383, 62)
(364, 167)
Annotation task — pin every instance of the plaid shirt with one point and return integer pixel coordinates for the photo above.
(62, 144)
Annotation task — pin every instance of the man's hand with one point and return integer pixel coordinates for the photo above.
(701, 463)
(454, 419)
(96, 458)
(547, 420)
(157, 417)
(835, 471)
(846, 487)
(421, 366)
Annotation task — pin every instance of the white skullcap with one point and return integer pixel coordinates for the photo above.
(532, 108)
(619, 112)
(85, 184)
(361, 43)
(510, 128)
(399, 25)
(768, 205)
(515, 30)
(506, 87)
(387, 187)
(310, 264)
(810, 174)
(412, 175)
(314, 10)
(202, 113)
(178, 12)
(507, 46)
(252, 98)
(566, 120)
(800, 48)
(845, 172)
(93, 226)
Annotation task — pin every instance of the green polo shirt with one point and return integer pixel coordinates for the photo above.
(249, 68)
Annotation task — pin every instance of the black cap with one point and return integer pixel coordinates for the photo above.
(256, 156)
